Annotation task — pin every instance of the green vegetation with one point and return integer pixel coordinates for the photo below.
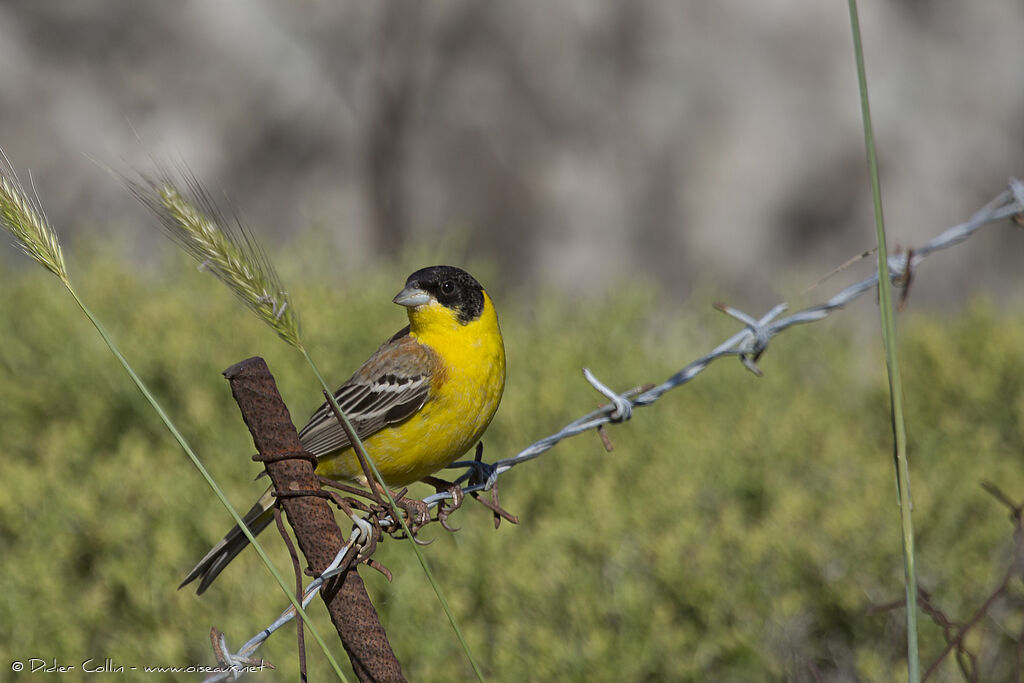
(741, 529)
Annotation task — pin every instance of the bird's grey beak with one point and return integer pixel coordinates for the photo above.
(411, 297)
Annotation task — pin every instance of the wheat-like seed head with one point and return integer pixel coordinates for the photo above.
(23, 217)
(224, 247)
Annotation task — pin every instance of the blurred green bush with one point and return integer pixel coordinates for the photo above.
(741, 529)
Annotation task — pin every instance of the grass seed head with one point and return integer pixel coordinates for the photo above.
(223, 246)
(23, 217)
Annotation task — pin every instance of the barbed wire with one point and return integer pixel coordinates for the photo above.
(748, 345)
(233, 664)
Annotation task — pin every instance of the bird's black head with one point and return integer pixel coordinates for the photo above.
(452, 287)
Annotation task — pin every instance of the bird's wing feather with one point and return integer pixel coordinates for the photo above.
(392, 385)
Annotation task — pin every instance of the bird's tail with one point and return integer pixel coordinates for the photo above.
(234, 542)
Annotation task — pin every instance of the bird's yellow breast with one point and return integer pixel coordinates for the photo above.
(466, 387)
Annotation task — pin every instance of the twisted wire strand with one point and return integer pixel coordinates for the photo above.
(752, 341)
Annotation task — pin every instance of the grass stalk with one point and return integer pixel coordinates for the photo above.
(405, 527)
(231, 252)
(885, 305)
(24, 219)
(221, 496)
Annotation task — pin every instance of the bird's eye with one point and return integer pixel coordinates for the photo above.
(447, 288)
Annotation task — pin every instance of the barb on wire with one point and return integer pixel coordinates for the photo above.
(623, 408)
(232, 665)
(752, 347)
(749, 344)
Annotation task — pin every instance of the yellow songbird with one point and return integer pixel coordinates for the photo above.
(418, 403)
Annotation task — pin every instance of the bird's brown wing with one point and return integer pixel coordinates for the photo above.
(389, 387)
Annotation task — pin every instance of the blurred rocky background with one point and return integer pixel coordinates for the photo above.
(575, 143)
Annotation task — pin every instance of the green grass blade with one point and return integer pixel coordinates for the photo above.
(892, 363)
(206, 475)
(233, 254)
(24, 219)
(405, 527)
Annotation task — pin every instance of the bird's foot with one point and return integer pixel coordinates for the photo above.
(417, 514)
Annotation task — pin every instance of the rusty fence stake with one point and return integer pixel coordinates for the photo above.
(319, 538)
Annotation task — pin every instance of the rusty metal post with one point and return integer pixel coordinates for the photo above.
(312, 519)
